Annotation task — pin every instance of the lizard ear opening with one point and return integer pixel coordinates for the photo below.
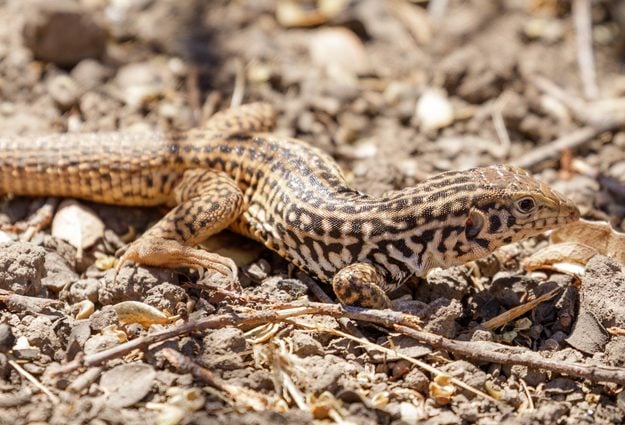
(474, 224)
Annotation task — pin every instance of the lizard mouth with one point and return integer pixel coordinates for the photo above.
(548, 222)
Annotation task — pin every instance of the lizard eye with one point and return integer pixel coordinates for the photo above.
(525, 205)
(473, 225)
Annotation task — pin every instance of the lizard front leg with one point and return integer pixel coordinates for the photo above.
(360, 284)
(207, 202)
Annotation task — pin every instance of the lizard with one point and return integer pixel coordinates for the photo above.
(287, 194)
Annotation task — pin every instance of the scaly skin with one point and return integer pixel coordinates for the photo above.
(289, 196)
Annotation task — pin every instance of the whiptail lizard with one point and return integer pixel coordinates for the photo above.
(288, 195)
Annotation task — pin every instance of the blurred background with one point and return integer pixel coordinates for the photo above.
(396, 90)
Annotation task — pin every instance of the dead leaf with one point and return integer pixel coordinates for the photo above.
(598, 235)
(137, 312)
(509, 315)
(616, 331)
(85, 309)
(567, 257)
(181, 403)
(292, 13)
(415, 20)
(77, 224)
(248, 399)
(442, 390)
(492, 390)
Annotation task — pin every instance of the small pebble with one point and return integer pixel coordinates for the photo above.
(434, 111)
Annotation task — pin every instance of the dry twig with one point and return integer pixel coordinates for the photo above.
(585, 58)
(53, 398)
(500, 129)
(515, 312)
(570, 141)
(194, 94)
(20, 303)
(504, 355)
(400, 322)
(184, 364)
(239, 85)
(384, 318)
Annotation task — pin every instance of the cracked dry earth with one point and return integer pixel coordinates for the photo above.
(394, 98)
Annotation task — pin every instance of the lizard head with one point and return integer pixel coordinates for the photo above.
(481, 209)
(510, 205)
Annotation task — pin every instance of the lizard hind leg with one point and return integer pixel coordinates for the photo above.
(360, 284)
(207, 202)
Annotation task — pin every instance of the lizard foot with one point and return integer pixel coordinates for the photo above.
(360, 285)
(160, 252)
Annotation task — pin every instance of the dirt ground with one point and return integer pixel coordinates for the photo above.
(395, 91)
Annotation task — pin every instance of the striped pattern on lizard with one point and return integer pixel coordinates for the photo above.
(288, 195)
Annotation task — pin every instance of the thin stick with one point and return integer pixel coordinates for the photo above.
(243, 319)
(184, 364)
(527, 394)
(314, 288)
(239, 85)
(210, 105)
(552, 150)
(501, 354)
(515, 312)
(54, 399)
(501, 130)
(583, 37)
(194, 94)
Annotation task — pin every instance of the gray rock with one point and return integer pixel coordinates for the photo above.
(224, 349)
(305, 345)
(131, 284)
(59, 274)
(98, 343)
(63, 32)
(84, 289)
(22, 267)
(602, 291)
(127, 384)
